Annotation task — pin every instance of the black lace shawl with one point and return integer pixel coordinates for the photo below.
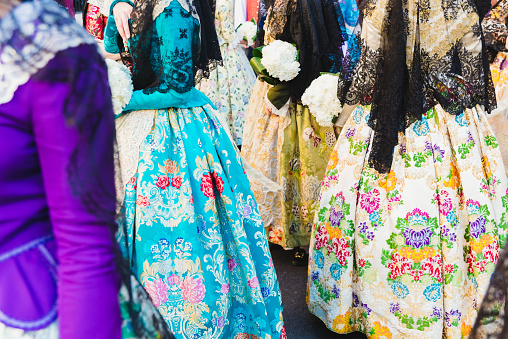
(495, 29)
(205, 57)
(314, 27)
(401, 87)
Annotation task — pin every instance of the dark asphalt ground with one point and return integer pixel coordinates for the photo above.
(300, 324)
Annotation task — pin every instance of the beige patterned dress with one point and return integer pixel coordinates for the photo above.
(291, 150)
(409, 253)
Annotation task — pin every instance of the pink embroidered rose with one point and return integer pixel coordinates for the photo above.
(162, 182)
(321, 237)
(158, 291)
(283, 334)
(399, 266)
(491, 252)
(207, 185)
(445, 203)
(173, 279)
(370, 201)
(416, 274)
(142, 201)
(176, 182)
(470, 260)
(132, 182)
(225, 288)
(433, 267)
(218, 182)
(231, 264)
(193, 290)
(253, 283)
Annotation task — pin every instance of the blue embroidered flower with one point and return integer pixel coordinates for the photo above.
(308, 227)
(265, 292)
(336, 271)
(294, 228)
(239, 322)
(336, 291)
(314, 275)
(421, 127)
(432, 292)
(461, 120)
(357, 114)
(399, 289)
(154, 249)
(451, 217)
(374, 216)
(319, 259)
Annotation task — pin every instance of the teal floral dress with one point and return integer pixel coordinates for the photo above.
(194, 233)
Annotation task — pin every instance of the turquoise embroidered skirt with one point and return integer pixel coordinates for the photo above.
(195, 235)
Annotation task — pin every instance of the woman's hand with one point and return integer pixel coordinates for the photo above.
(122, 12)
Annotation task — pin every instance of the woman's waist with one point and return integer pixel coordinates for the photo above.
(28, 283)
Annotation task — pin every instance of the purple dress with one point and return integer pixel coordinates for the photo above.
(56, 257)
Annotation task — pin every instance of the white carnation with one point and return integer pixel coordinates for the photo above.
(120, 82)
(248, 31)
(321, 98)
(279, 59)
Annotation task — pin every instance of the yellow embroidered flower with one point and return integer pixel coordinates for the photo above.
(486, 167)
(389, 182)
(170, 166)
(381, 331)
(333, 232)
(334, 160)
(478, 245)
(341, 323)
(454, 180)
(417, 255)
(466, 330)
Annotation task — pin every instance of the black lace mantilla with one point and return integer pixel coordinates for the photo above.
(400, 91)
(148, 75)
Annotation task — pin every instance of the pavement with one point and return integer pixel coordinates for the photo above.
(300, 323)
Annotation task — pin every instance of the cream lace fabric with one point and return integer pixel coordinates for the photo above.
(131, 129)
(50, 332)
(42, 40)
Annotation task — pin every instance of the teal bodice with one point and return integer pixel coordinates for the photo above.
(175, 37)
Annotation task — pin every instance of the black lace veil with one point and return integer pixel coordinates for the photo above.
(206, 56)
(402, 76)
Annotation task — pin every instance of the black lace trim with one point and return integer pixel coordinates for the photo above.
(399, 95)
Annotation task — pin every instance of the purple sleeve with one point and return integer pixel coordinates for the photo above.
(88, 282)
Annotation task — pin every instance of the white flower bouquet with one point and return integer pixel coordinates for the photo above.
(280, 59)
(248, 30)
(321, 98)
(276, 64)
(120, 82)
